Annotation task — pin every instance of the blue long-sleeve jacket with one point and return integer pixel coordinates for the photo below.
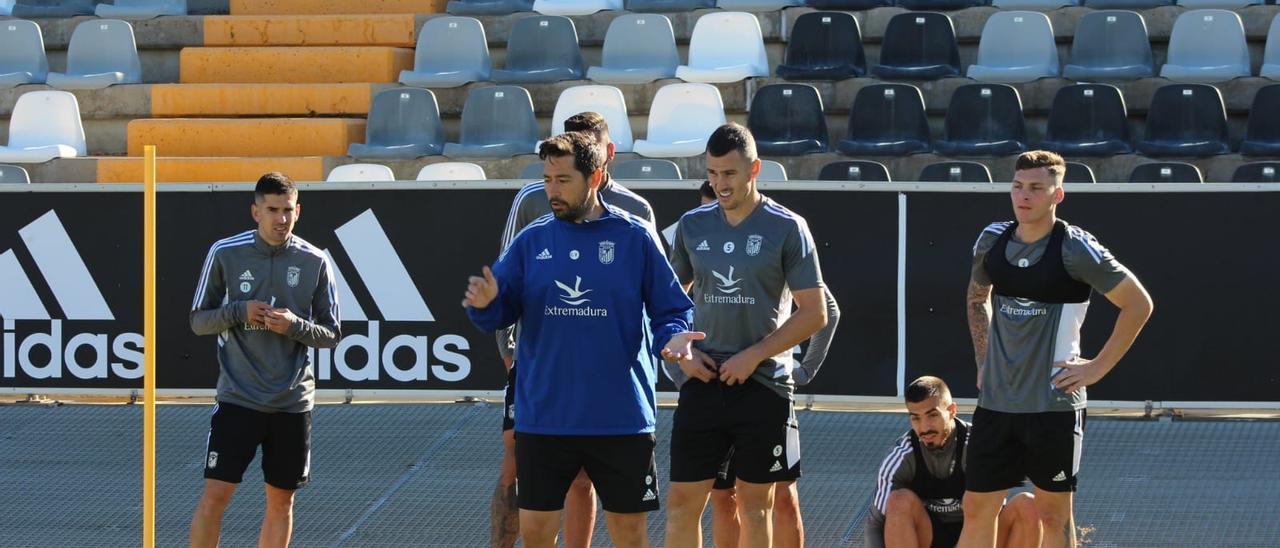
(581, 292)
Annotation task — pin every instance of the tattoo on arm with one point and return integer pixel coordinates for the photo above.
(1068, 539)
(979, 312)
(504, 517)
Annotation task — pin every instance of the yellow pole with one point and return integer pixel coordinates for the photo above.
(149, 336)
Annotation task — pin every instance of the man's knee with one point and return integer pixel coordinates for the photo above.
(724, 500)
(1021, 508)
(279, 501)
(755, 500)
(217, 495)
(982, 506)
(686, 500)
(539, 525)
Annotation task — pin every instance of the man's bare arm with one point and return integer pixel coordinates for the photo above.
(978, 303)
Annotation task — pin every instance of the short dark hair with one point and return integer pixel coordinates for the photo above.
(588, 155)
(274, 183)
(706, 190)
(730, 137)
(592, 122)
(927, 387)
(1049, 160)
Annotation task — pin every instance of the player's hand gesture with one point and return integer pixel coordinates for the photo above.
(738, 368)
(481, 291)
(1076, 374)
(680, 346)
(280, 319)
(700, 366)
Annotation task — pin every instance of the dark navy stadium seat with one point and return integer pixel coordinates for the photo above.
(1079, 173)
(886, 120)
(1088, 120)
(824, 45)
(1262, 138)
(855, 170)
(984, 120)
(1257, 172)
(1166, 172)
(920, 46)
(787, 119)
(955, 172)
(1186, 120)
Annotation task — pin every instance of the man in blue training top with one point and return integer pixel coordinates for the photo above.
(580, 281)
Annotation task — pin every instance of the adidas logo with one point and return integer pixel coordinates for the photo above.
(703, 246)
(61, 268)
(649, 495)
(247, 276)
(1062, 476)
(777, 466)
(545, 255)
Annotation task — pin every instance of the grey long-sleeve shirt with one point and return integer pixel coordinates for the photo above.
(258, 368)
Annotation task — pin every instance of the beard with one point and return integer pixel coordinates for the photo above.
(570, 212)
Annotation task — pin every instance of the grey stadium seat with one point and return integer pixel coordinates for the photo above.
(541, 49)
(648, 168)
(497, 122)
(22, 59)
(1126, 4)
(1036, 55)
(1207, 46)
(101, 53)
(1110, 45)
(141, 9)
(638, 49)
(13, 175)
(52, 8)
(1271, 56)
(451, 51)
(403, 123)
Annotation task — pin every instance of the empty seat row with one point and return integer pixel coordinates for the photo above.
(442, 171)
(584, 7)
(101, 53)
(120, 9)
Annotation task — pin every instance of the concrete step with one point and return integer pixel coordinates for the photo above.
(231, 100)
(310, 30)
(332, 7)
(293, 64)
(209, 170)
(245, 137)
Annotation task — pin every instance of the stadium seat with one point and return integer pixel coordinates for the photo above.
(1271, 56)
(668, 6)
(1218, 4)
(1079, 173)
(532, 171)
(1110, 45)
(6, 7)
(22, 59)
(497, 122)
(1166, 172)
(541, 49)
(771, 171)
(51, 9)
(487, 7)
(458, 171)
(824, 45)
(887, 120)
(650, 168)
(452, 51)
(141, 9)
(44, 125)
(955, 172)
(919, 46)
(725, 47)
(757, 5)
(638, 49)
(575, 7)
(681, 118)
(931, 5)
(1262, 135)
(855, 170)
(787, 120)
(1088, 120)
(848, 5)
(101, 53)
(360, 173)
(1126, 4)
(403, 123)
(1207, 46)
(605, 100)
(1254, 172)
(1035, 57)
(13, 175)
(1186, 120)
(983, 120)
(1037, 5)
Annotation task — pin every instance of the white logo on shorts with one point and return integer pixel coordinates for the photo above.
(777, 466)
(648, 480)
(649, 495)
(777, 450)
(1062, 476)
(213, 459)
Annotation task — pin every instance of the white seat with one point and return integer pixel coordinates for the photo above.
(1207, 46)
(605, 100)
(575, 7)
(6, 7)
(141, 9)
(101, 53)
(360, 173)
(22, 58)
(725, 47)
(771, 171)
(1035, 57)
(1271, 58)
(451, 171)
(44, 125)
(681, 119)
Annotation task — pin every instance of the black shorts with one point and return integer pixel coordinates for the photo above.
(509, 401)
(945, 534)
(235, 433)
(1005, 448)
(758, 424)
(622, 468)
